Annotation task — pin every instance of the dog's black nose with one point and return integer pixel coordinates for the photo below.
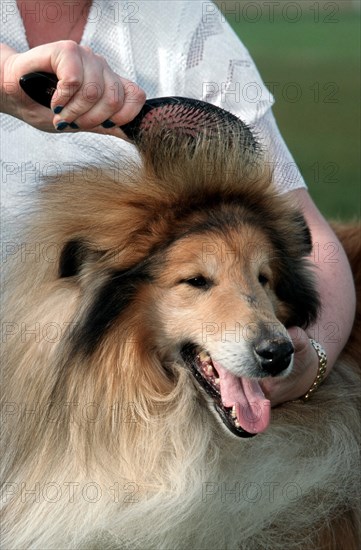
(274, 355)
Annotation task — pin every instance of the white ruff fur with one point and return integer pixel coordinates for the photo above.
(176, 480)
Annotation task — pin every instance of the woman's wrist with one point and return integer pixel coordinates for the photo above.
(321, 370)
(8, 86)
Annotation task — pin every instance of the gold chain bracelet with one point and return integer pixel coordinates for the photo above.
(322, 364)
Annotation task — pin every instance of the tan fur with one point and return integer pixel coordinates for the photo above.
(121, 449)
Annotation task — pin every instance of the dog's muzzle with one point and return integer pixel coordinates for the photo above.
(215, 379)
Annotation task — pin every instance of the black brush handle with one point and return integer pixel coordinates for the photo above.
(39, 86)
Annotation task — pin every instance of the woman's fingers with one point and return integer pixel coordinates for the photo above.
(98, 95)
(89, 96)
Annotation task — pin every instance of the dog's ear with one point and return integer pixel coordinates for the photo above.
(304, 233)
(74, 255)
(297, 286)
(114, 294)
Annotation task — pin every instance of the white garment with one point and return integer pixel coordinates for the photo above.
(183, 48)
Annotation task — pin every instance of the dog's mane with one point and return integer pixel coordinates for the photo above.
(154, 202)
(154, 431)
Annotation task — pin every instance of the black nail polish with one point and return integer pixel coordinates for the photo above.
(62, 125)
(74, 126)
(57, 109)
(108, 124)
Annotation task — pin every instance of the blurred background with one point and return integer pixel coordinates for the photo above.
(308, 54)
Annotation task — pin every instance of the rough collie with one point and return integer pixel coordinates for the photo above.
(134, 339)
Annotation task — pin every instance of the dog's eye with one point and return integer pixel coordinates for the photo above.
(198, 282)
(262, 279)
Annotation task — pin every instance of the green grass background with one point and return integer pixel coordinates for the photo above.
(321, 128)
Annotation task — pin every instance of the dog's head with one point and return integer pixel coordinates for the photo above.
(201, 261)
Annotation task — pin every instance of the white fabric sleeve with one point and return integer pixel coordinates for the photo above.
(286, 174)
(218, 68)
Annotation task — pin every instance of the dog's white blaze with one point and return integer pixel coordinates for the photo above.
(238, 357)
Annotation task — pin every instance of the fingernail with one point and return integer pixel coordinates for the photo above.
(108, 124)
(61, 125)
(58, 109)
(74, 126)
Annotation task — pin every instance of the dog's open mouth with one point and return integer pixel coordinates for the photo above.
(239, 402)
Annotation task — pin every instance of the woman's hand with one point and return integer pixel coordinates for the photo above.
(88, 93)
(305, 367)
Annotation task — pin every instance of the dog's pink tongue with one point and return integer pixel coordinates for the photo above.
(252, 407)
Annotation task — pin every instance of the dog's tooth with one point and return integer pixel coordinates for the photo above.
(233, 412)
(216, 381)
(236, 423)
(209, 370)
(204, 356)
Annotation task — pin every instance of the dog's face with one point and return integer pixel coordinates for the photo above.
(214, 297)
(216, 292)
(214, 303)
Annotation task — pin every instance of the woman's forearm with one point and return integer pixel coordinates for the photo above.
(7, 87)
(335, 283)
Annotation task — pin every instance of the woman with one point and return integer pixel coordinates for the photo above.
(159, 48)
